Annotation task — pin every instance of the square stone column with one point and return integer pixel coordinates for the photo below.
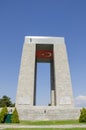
(26, 82)
(53, 101)
(63, 88)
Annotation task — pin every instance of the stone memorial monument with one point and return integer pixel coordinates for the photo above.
(47, 50)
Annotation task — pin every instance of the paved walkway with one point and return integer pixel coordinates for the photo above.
(3, 126)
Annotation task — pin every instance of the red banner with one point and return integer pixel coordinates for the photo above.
(45, 54)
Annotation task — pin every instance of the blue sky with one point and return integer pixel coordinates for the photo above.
(63, 18)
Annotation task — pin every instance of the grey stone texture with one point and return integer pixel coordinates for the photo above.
(47, 113)
(62, 104)
(25, 91)
(64, 95)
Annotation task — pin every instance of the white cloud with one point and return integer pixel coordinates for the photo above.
(81, 98)
(80, 101)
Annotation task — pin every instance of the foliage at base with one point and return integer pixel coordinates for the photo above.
(82, 117)
(15, 117)
(3, 114)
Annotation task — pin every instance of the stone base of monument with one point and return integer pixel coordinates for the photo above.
(48, 113)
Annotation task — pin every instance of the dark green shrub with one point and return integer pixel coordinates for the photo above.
(82, 117)
(15, 117)
(3, 114)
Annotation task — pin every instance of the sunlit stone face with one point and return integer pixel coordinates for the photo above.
(47, 50)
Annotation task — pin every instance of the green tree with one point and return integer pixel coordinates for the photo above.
(82, 117)
(3, 114)
(5, 101)
(15, 117)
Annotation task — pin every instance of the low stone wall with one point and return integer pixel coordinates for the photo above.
(48, 113)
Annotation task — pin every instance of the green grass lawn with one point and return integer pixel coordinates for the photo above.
(45, 129)
(61, 122)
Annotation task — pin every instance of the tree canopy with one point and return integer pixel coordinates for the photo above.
(6, 101)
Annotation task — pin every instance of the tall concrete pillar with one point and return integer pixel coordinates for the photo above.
(53, 102)
(26, 82)
(63, 88)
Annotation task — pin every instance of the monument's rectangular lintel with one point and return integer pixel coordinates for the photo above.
(43, 40)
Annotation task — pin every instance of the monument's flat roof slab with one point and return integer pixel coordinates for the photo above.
(43, 40)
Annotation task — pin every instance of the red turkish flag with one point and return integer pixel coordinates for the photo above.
(45, 54)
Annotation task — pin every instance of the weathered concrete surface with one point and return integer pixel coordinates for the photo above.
(62, 104)
(25, 91)
(48, 113)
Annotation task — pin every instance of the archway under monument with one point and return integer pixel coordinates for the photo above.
(43, 84)
(45, 50)
(44, 54)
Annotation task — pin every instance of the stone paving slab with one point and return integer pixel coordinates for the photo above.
(3, 126)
